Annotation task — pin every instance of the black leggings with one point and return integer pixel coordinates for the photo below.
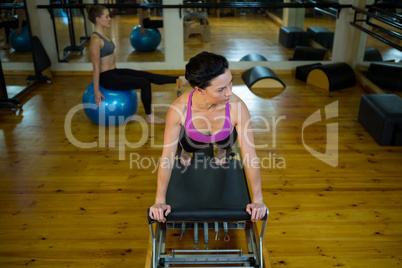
(152, 24)
(127, 79)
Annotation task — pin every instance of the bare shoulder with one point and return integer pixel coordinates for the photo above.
(95, 38)
(238, 109)
(182, 100)
(96, 41)
(178, 108)
(236, 103)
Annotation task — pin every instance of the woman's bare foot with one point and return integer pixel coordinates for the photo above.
(183, 80)
(220, 158)
(185, 158)
(153, 119)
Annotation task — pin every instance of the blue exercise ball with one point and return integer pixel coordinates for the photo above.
(149, 42)
(117, 107)
(20, 42)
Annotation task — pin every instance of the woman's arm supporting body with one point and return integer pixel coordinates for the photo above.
(242, 121)
(95, 46)
(174, 119)
(99, 65)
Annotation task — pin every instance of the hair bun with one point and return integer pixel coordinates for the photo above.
(89, 8)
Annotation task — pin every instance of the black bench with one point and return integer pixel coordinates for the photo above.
(381, 115)
(321, 35)
(291, 37)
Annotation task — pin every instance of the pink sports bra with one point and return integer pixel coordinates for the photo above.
(197, 136)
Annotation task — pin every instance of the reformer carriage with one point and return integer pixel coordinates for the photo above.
(208, 205)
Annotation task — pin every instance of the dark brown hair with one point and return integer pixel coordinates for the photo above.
(94, 11)
(204, 67)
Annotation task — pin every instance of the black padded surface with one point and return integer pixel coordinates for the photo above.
(321, 35)
(253, 75)
(372, 54)
(253, 57)
(308, 53)
(389, 104)
(340, 75)
(214, 187)
(41, 59)
(291, 37)
(206, 192)
(386, 76)
(381, 116)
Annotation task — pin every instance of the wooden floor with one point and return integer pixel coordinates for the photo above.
(64, 205)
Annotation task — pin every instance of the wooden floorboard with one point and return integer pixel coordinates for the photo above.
(66, 206)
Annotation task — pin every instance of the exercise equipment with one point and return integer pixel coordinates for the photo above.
(21, 42)
(372, 54)
(199, 26)
(386, 75)
(76, 36)
(262, 77)
(148, 42)
(40, 60)
(206, 197)
(291, 37)
(303, 71)
(308, 53)
(117, 107)
(332, 76)
(253, 57)
(381, 116)
(385, 19)
(321, 35)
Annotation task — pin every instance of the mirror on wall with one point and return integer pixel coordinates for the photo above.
(73, 30)
(237, 32)
(232, 32)
(16, 52)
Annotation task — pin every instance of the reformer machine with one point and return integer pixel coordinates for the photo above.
(207, 198)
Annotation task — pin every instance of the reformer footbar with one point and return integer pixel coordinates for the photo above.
(216, 196)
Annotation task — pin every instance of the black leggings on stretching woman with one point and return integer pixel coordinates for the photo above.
(127, 79)
(152, 24)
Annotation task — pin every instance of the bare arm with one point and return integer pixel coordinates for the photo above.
(244, 129)
(172, 131)
(20, 16)
(140, 16)
(95, 46)
(140, 12)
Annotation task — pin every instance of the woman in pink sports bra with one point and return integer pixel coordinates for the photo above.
(210, 113)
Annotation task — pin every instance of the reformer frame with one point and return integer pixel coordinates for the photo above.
(208, 198)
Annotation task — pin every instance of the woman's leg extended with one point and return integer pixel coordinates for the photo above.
(152, 24)
(158, 79)
(120, 79)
